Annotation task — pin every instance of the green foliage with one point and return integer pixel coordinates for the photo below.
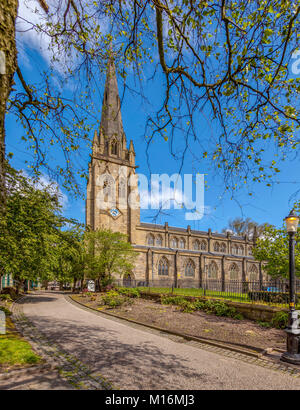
(218, 308)
(130, 292)
(249, 93)
(6, 298)
(273, 248)
(108, 253)
(280, 320)
(32, 241)
(172, 300)
(113, 299)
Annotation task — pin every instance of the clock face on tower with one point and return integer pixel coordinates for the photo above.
(114, 212)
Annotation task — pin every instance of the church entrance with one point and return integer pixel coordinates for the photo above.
(127, 280)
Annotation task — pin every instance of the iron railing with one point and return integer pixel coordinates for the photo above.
(273, 292)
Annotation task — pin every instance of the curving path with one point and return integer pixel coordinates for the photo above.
(135, 359)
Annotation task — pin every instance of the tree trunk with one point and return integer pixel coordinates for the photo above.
(8, 66)
(74, 285)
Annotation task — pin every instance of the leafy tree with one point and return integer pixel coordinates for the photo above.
(109, 254)
(70, 257)
(31, 234)
(227, 61)
(273, 248)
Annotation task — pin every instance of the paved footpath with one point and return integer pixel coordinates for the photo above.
(95, 352)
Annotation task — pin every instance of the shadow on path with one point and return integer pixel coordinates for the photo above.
(136, 365)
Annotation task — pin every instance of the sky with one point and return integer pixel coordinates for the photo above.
(267, 204)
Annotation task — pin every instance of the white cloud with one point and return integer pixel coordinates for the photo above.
(31, 14)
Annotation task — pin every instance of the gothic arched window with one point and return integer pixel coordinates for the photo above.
(253, 273)
(233, 272)
(212, 272)
(122, 189)
(181, 243)
(189, 269)
(174, 243)
(241, 250)
(203, 246)
(114, 148)
(107, 189)
(235, 249)
(222, 247)
(217, 247)
(196, 245)
(158, 240)
(150, 239)
(163, 267)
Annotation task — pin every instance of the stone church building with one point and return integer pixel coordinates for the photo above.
(166, 255)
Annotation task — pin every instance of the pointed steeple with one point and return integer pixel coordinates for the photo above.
(131, 147)
(111, 119)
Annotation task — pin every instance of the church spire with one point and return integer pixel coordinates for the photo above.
(111, 119)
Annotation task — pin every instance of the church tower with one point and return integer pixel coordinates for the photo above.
(112, 190)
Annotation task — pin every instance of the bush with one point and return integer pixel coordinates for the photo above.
(113, 299)
(9, 291)
(186, 306)
(280, 320)
(215, 307)
(130, 292)
(172, 300)
(6, 297)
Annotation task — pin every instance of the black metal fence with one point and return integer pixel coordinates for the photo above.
(275, 292)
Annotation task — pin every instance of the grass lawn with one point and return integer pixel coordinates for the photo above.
(235, 297)
(15, 352)
(195, 292)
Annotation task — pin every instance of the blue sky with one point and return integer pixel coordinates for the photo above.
(267, 204)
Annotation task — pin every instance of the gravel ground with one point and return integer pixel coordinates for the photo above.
(211, 327)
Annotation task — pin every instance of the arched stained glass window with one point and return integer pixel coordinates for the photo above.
(253, 273)
(158, 240)
(212, 272)
(203, 246)
(174, 243)
(189, 268)
(233, 272)
(196, 245)
(150, 239)
(217, 247)
(163, 267)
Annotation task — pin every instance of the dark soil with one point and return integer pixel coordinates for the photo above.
(237, 332)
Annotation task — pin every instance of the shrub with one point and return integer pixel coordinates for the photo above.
(9, 291)
(130, 292)
(215, 307)
(113, 299)
(280, 320)
(187, 306)
(6, 298)
(172, 300)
